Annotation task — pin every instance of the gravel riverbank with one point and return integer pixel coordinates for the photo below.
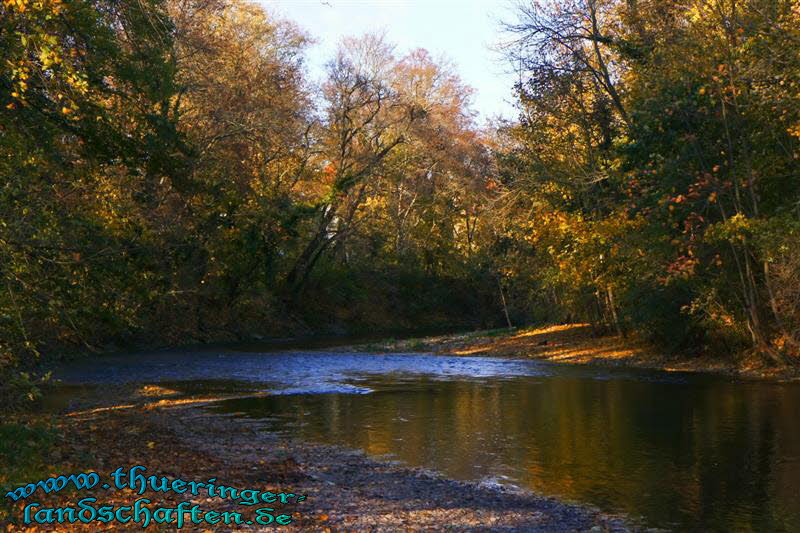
(356, 493)
(175, 436)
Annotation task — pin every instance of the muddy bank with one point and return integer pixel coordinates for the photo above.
(577, 344)
(173, 436)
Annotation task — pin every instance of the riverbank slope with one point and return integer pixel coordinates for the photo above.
(578, 344)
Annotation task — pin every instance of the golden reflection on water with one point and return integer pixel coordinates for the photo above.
(703, 453)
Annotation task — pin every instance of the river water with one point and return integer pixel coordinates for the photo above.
(677, 451)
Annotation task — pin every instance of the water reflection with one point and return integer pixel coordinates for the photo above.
(695, 453)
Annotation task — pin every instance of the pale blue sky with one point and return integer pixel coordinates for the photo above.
(460, 29)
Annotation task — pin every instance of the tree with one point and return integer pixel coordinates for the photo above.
(86, 112)
(365, 120)
(655, 119)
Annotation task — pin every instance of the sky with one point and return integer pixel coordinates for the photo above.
(461, 30)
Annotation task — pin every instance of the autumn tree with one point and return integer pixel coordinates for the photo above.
(649, 132)
(365, 119)
(246, 108)
(86, 112)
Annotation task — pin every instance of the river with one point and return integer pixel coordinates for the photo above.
(677, 451)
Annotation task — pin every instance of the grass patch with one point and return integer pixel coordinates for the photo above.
(490, 333)
(417, 345)
(374, 348)
(23, 457)
(499, 331)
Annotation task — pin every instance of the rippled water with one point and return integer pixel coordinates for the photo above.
(680, 451)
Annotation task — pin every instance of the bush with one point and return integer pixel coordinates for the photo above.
(659, 312)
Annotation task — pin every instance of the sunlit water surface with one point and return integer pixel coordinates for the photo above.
(679, 451)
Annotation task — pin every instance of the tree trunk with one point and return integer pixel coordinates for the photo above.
(503, 300)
